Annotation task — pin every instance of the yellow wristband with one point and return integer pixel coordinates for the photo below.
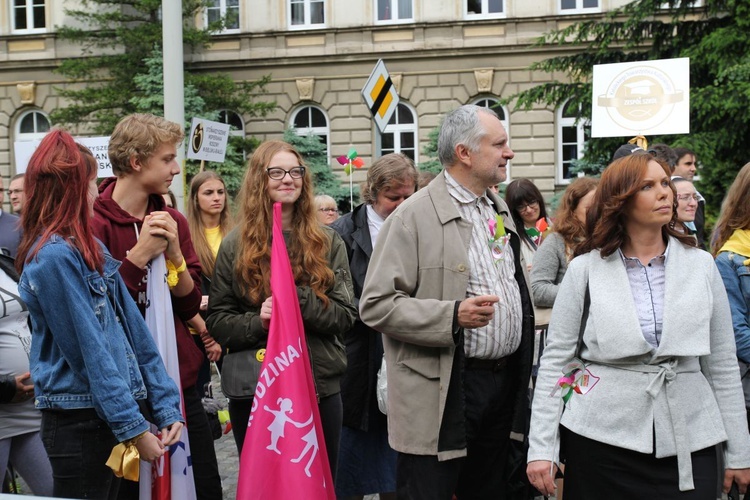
(173, 273)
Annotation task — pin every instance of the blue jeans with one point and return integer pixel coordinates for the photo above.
(78, 444)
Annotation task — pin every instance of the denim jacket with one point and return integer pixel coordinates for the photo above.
(736, 276)
(84, 328)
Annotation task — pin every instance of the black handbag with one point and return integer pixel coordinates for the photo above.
(240, 372)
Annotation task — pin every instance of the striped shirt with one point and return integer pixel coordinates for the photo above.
(502, 336)
(647, 284)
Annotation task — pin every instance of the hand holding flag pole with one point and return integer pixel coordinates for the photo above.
(348, 160)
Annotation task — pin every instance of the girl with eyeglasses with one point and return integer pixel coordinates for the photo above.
(529, 212)
(239, 307)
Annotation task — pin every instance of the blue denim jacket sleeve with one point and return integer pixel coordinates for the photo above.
(57, 278)
(736, 277)
(163, 395)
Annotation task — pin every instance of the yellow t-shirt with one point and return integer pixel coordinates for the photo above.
(213, 237)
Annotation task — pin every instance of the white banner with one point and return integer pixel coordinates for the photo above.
(98, 146)
(208, 140)
(641, 98)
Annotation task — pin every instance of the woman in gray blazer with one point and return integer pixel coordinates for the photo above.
(637, 410)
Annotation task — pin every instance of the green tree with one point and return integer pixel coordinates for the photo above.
(116, 39)
(716, 38)
(325, 180)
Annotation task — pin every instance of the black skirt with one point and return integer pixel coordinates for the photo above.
(595, 471)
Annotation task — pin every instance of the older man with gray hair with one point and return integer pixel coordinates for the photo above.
(447, 287)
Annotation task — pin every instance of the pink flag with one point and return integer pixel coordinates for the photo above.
(284, 455)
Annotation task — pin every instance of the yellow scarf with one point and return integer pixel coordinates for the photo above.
(738, 243)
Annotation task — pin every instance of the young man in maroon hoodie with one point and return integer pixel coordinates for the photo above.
(132, 220)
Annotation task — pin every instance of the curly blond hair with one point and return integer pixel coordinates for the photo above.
(140, 135)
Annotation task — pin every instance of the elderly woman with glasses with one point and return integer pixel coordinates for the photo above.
(527, 208)
(239, 307)
(326, 209)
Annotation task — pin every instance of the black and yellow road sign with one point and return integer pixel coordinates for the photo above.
(380, 95)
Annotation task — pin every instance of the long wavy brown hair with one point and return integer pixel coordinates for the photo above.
(567, 224)
(605, 220)
(735, 210)
(308, 244)
(198, 228)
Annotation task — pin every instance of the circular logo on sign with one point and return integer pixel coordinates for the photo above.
(640, 98)
(197, 140)
(260, 355)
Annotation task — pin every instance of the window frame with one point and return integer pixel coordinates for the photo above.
(579, 8)
(19, 136)
(485, 8)
(397, 129)
(567, 122)
(306, 14)
(316, 131)
(29, 7)
(393, 20)
(222, 8)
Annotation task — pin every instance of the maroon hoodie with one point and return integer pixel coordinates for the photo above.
(117, 230)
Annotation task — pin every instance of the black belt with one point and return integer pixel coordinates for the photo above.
(494, 365)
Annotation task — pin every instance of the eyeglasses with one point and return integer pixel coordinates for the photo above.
(533, 205)
(278, 173)
(329, 210)
(11, 192)
(687, 197)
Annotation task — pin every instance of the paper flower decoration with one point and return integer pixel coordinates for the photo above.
(350, 159)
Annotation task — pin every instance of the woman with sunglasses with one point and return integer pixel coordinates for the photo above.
(527, 208)
(239, 307)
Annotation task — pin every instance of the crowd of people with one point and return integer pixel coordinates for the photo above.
(427, 310)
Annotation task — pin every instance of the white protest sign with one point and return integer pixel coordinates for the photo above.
(641, 98)
(98, 146)
(208, 140)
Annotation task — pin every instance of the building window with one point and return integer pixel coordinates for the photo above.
(571, 138)
(485, 9)
(307, 14)
(311, 120)
(502, 113)
(400, 134)
(28, 16)
(226, 10)
(579, 6)
(32, 126)
(391, 11)
(234, 120)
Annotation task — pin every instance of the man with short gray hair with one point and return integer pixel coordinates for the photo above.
(447, 287)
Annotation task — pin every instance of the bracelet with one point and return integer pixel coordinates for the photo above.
(173, 273)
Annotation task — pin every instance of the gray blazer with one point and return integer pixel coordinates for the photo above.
(687, 391)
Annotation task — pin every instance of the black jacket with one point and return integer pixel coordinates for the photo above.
(364, 346)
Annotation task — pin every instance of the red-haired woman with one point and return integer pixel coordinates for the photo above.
(239, 307)
(651, 390)
(92, 356)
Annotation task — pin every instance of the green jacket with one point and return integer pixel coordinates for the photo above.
(235, 322)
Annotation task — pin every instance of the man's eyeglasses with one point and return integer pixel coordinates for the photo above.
(278, 173)
(328, 210)
(11, 192)
(687, 197)
(533, 205)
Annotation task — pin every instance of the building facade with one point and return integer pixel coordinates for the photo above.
(440, 54)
